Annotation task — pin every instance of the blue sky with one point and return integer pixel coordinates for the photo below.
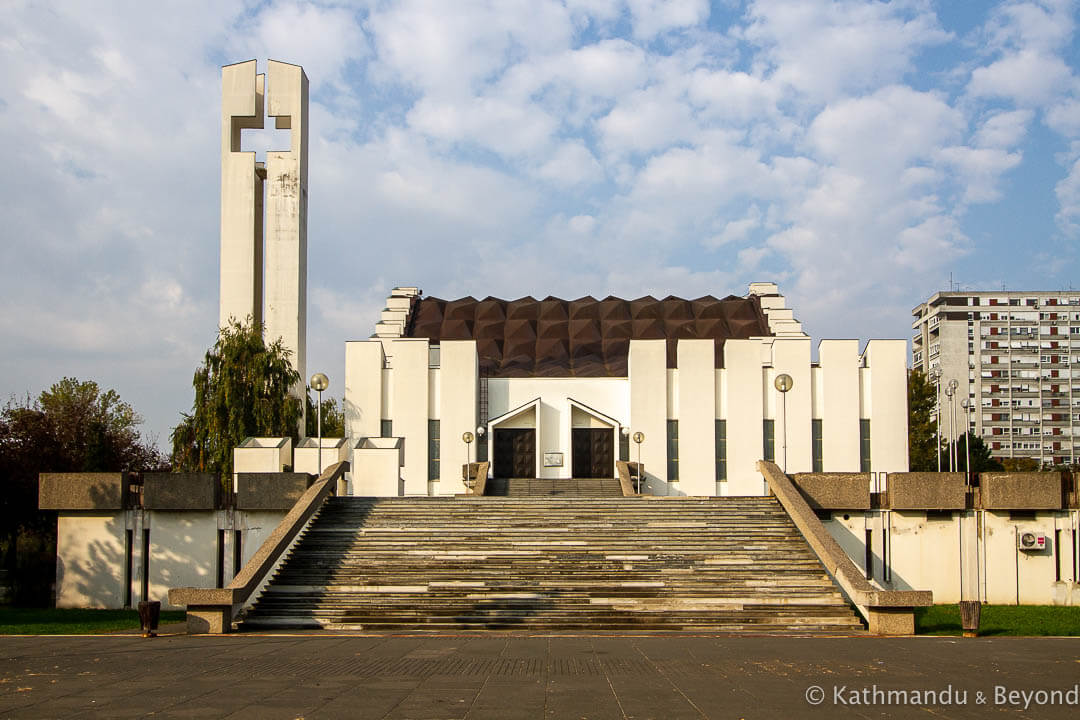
(856, 153)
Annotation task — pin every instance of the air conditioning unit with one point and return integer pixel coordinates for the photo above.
(1031, 541)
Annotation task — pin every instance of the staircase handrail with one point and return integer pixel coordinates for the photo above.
(211, 610)
(887, 612)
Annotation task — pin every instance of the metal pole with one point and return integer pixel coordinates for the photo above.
(967, 442)
(637, 471)
(319, 420)
(784, 395)
(937, 421)
(952, 433)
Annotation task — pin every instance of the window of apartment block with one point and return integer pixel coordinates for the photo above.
(434, 356)
(386, 428)
(433, 449)
(672, 450)
(816, 444)
(768, 434)
(721, 451)
(864, 445)
(624, 447)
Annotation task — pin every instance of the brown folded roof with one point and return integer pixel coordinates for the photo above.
(584, 337)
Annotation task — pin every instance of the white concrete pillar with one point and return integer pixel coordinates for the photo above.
(286, 217)
(241, 272)
(648, 409)
(409, 390)
(743, 391)
(792, 356)
(886, 364)
(363, 388)
(697, 416)
(839, 361)
(459, 368)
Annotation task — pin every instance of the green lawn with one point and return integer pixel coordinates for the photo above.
(51, 621)
(1025, 620)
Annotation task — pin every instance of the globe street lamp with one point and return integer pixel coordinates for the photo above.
(935, 377)
(950, 392)
(467, 437)
(319, 382)
(783, 383)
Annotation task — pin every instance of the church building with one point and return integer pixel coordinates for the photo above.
(562, 389)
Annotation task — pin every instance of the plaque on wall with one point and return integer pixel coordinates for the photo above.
(553, 459)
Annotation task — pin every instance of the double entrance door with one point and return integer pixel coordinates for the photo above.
(592, 450)
(514, 453)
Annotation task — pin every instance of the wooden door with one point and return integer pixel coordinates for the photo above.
(515, 453)
(594, 452)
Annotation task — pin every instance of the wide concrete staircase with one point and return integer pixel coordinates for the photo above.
(553, 564)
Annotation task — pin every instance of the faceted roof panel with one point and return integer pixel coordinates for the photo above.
(584, 337)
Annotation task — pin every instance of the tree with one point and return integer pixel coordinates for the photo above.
(981, 460)
(333, 420)
(922, 435)
(71, 427)
(1020, 464)
(242, 389)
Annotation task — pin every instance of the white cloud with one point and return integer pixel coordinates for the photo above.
(1027, 77)
(821, 49)
(1003, 129)
(571, 164)
(883, 132)
(1068, 196)
(652, 17)
(737, 230)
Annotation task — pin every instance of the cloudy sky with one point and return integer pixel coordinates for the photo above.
(857, 153)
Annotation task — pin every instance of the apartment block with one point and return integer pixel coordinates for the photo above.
(1016, 359)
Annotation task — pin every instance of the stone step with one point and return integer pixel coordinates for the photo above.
(552, 563)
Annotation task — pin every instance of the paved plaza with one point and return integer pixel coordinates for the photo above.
(505, 677)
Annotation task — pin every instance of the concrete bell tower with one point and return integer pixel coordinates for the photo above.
(264, 207)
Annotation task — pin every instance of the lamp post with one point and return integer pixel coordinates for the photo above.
(950, 392)
(468, 438)
(319, 382)
(783, 383)
(968, 408)
(639, 437)
(935, 377)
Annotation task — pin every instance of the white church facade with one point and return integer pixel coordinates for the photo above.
(561, 389)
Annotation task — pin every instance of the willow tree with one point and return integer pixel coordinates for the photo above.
(242, 389)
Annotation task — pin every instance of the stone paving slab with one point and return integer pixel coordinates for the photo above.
(505, 677)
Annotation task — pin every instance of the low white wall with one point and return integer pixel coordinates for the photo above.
(90, 561)
(970, 555)
(183, 552)
(376, 472)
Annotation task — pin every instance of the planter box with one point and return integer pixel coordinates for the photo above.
(1021, 491)
(927, 491)
(81, 491)
(835, 491)
(181, 491)
(270, 491)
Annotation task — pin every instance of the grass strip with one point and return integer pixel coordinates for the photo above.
(1015, 620)
(55, 621)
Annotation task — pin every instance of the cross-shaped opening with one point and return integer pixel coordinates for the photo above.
(260, 141)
